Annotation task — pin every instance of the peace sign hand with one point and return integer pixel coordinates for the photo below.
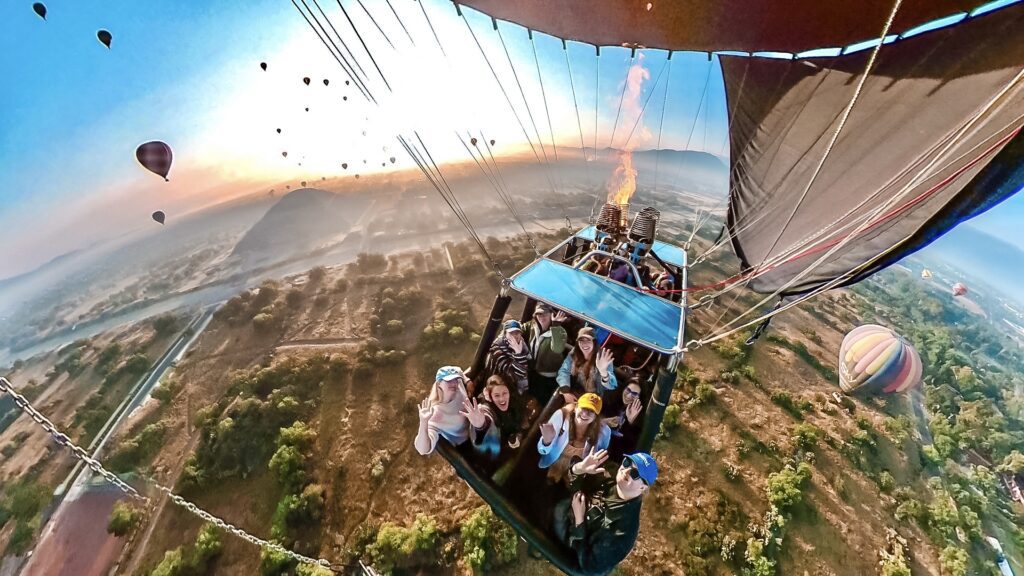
(473, 412)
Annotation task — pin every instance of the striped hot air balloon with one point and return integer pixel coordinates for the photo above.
(926, 274)
(875, 359)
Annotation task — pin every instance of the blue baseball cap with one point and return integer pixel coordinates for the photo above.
(448, 373)
(645, 466)
(513, 325)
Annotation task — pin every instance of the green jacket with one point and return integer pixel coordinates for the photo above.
(547, 349)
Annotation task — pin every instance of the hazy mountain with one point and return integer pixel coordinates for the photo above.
(992, 260)
(300, 221)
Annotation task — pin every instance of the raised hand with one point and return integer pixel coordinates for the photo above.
(559, 317)
(579, 507)
(547, 433)
(426, 410)
(603, 361)
(591, 464)
(516, 343)
(473, 412)
(633, 410)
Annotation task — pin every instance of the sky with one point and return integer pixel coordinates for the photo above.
(187, 73)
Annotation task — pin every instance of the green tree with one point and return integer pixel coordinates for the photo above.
(487, 542)
(397, 547)
(1013, 463)
(123, 518)
(805, 436)
(785, 488)
(954, 560)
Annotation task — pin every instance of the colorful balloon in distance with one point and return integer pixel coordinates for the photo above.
(104, 37)
(159, 217)
(306, 80)
(926, 274)
(156, 157)
(959, 289)
(876, 360)
(263, 65)
(39, 9)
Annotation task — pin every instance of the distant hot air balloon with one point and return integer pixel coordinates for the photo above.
(288, 187)
(264, 66)
(323, 177)
(278, 130)
(345, 98)
(344, 165)
(357, 176)
(959, 289)
(155, 156)
(303, 183)
(306, 80)
(39, 9)
(875, 359)
(307, 108)
(326, 81)
(472, 141)
(285, 153)
(159, 216)
(926, 274)
(346, 82)
(492, 142)
(392, 159)
(104, 37)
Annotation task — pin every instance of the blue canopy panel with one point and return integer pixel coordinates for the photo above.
(641, 317)
(668, 253)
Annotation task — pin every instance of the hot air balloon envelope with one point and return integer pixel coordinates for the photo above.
(104, 37)
(926, 274)
(959, 289)
(159, 216)
(876, 360)
(155, 156)
(326, 82)
(306, 80)
(39, 9)
(264, 66)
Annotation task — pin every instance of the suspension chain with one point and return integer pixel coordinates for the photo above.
(62, 439)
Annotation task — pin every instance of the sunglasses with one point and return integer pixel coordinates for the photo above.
(634, 474)
(631, 393)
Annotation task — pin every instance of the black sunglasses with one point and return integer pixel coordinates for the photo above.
(634, 474)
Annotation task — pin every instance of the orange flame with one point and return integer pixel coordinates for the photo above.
(623, 181)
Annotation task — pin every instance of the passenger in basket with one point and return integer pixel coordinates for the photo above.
(586, 371)
(440, 413)
(622, 414)
(601, 520)
(547, 341)
(509, 356)
(570, 433)
(496, 422)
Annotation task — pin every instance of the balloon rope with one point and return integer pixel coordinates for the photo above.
(661, 124)
(400, 23)
(622, 97)
(329, 43)
(372, 19)
(365, 48)
(351, 55)
(646, 102)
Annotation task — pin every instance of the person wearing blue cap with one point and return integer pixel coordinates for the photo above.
(441, 412)
(601, 520)
(509, 355)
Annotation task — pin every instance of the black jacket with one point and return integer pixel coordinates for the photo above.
(610, 527)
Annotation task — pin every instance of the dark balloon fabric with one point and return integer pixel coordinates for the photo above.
(713, 25)
(104, 37)
(39, 9)
(159, 216)
(896, 144)
(155, 156)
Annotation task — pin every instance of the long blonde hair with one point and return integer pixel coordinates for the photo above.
(435, 392)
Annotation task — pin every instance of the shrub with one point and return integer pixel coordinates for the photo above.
(953, 560)
(123, 518)
(317, 274)
(757, 563)
(263, 322)
(399, 547)
(805, 436)
(487, 542)
(785, 401)
(785, 488)
(886, 482)
(671, 420)
(703, 394)
(378, 463)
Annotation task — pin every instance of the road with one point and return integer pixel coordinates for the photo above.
(71, 542)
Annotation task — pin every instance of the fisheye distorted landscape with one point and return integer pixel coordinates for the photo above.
(518, 287)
